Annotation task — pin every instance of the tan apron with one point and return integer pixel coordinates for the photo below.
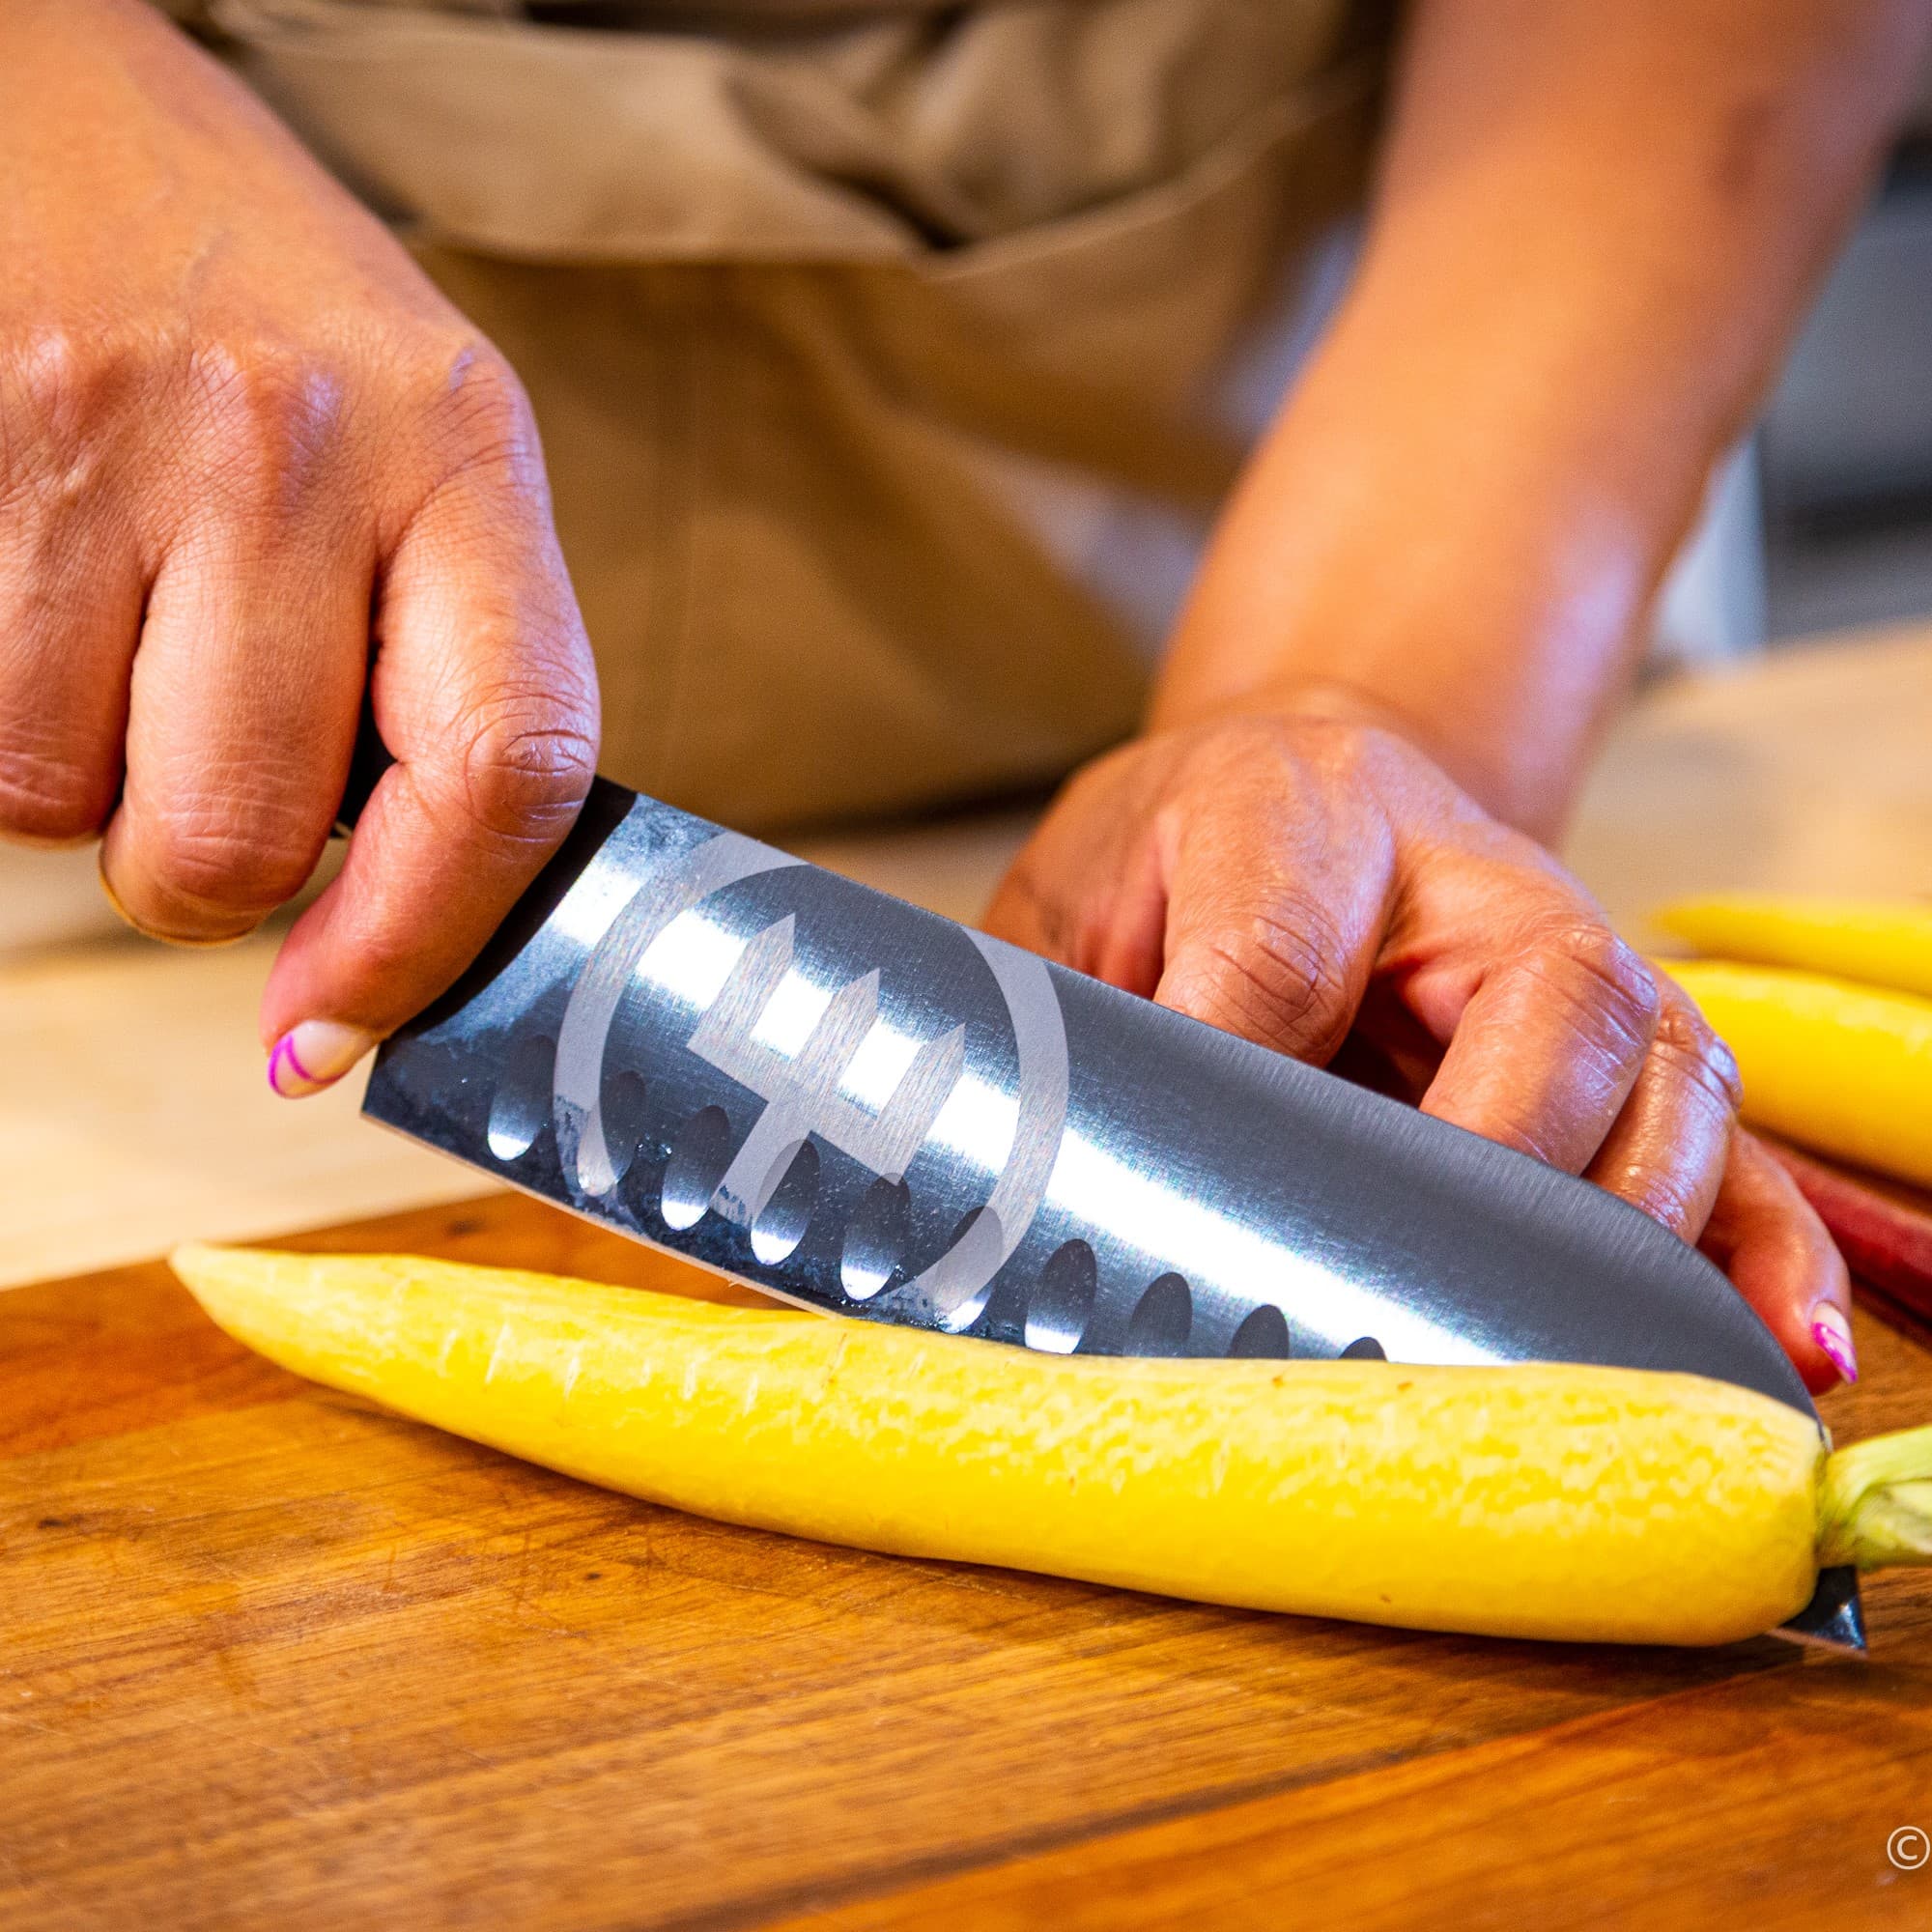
(890, 359)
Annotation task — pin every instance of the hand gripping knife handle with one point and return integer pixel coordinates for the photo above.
(863, 1108)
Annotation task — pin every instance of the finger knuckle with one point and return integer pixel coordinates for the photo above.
(1687, 1043)
(265, 415)
(49, 377)
(227, 855)
(527, 763)
(1340, 752)
(1280, 975)
(56, 394)
(48, 798)
(1615, 994)
(1338, 749)
(1678, 1200)
(479, 416)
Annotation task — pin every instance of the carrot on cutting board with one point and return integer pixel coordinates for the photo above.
(1875, 942)
(1844, 1068)
(1535, 1500)
(1885, 1241)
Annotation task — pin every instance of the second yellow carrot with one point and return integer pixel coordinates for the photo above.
(1841, 1068)
(1875, 942)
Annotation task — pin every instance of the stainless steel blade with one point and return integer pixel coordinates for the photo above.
(860, 1107)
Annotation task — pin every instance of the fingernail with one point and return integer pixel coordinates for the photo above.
(1833, 1334)
(314, 1055)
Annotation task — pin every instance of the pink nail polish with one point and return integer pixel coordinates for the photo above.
(1833, 1333)
(285, 1074)
(314, 1055)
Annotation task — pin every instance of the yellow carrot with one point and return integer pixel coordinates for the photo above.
(1589, 1503)
(1843, 1068)
(1877, 943)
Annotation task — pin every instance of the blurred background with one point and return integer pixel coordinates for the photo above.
(1845, 454)
(1822, 521)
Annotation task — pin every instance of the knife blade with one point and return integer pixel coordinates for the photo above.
(708, 1046)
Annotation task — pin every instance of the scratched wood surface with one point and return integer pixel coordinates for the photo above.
(271, 1658)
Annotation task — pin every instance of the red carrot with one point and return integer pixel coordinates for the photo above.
(1883, 1231)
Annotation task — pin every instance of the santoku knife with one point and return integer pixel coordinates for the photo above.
(689, 1037)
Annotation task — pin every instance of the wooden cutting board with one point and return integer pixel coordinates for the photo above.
(269, 1657)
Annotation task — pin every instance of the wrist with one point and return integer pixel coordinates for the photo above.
(1452, 563)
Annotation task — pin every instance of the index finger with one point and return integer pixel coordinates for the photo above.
(485, 693)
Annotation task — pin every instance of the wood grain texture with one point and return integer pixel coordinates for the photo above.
(269, 1657)
(1764, 1803)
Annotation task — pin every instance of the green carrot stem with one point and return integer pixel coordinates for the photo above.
(1875, 1503)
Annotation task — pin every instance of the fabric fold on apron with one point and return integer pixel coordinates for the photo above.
(890, 359)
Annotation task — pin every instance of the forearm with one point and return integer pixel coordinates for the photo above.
(1594, 228)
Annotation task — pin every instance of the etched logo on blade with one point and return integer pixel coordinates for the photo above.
(853, 1052)
(802, 1091)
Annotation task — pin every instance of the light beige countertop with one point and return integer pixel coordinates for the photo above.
(133, 1112)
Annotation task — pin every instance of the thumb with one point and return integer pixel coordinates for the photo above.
(485, 692)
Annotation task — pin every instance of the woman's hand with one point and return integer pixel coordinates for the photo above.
(1317, 885)
(243, 438)
(1589, 240)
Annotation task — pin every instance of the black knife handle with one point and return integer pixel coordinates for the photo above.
(366, 765)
